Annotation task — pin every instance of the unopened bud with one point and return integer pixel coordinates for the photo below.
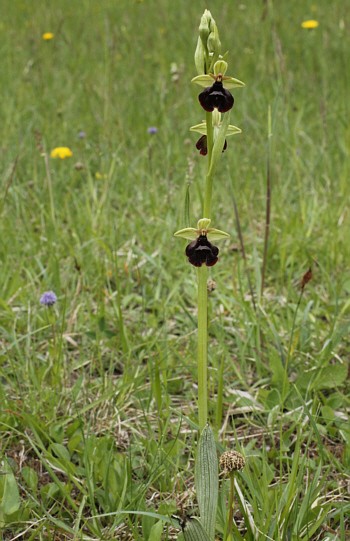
(204, 30)
(199, 57)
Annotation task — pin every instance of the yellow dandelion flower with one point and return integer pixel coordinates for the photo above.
(309, 24)
(98, 175)
(61, 152)
(47, 35)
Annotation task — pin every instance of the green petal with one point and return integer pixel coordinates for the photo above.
(230, 82)
(203, 80)
(232, 130)
(188, 233)
(216, 234)
(200, 128)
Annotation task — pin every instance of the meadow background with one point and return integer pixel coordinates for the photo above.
(98, 393)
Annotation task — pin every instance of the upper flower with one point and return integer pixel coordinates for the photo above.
(61, 152)
(216, 96)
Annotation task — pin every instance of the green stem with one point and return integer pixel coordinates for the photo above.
(231, 502)
(202, 346)
(209, 178)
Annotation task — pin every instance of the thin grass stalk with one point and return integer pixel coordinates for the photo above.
(241, 241)
(268, 204)
(52, 205)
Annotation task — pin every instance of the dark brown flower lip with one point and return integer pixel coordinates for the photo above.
(202, 251)
(201, 145)
(216, 96)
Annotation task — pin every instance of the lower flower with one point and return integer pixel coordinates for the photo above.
(201, 145)
(202, 251)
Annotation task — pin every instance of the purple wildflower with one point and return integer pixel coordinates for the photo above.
(81, 134)
(48, 298)
(152, 130)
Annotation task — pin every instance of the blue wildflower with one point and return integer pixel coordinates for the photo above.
(48, 298)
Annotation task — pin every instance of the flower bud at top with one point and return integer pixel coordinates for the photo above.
(231, 461)
(214, 43)
(204, 30)
(199, 57)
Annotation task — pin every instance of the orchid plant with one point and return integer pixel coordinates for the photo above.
(217, 101)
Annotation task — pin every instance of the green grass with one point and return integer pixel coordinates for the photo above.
(98, 425)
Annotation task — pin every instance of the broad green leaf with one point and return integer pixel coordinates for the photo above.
(30, 477)
(206, 481)
(194, 531)
(156, 531)
(9, 502)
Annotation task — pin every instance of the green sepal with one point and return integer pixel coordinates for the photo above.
(203, 80)
(200, 128)
(203, 223)
(232, 130)
(207, 80)
(194, 530)
(230, 82)
(220, 67)
(188, 233)
(207, 480)
(216, 234)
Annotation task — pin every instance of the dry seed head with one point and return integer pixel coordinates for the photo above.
(231, 461)
(211, 285)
